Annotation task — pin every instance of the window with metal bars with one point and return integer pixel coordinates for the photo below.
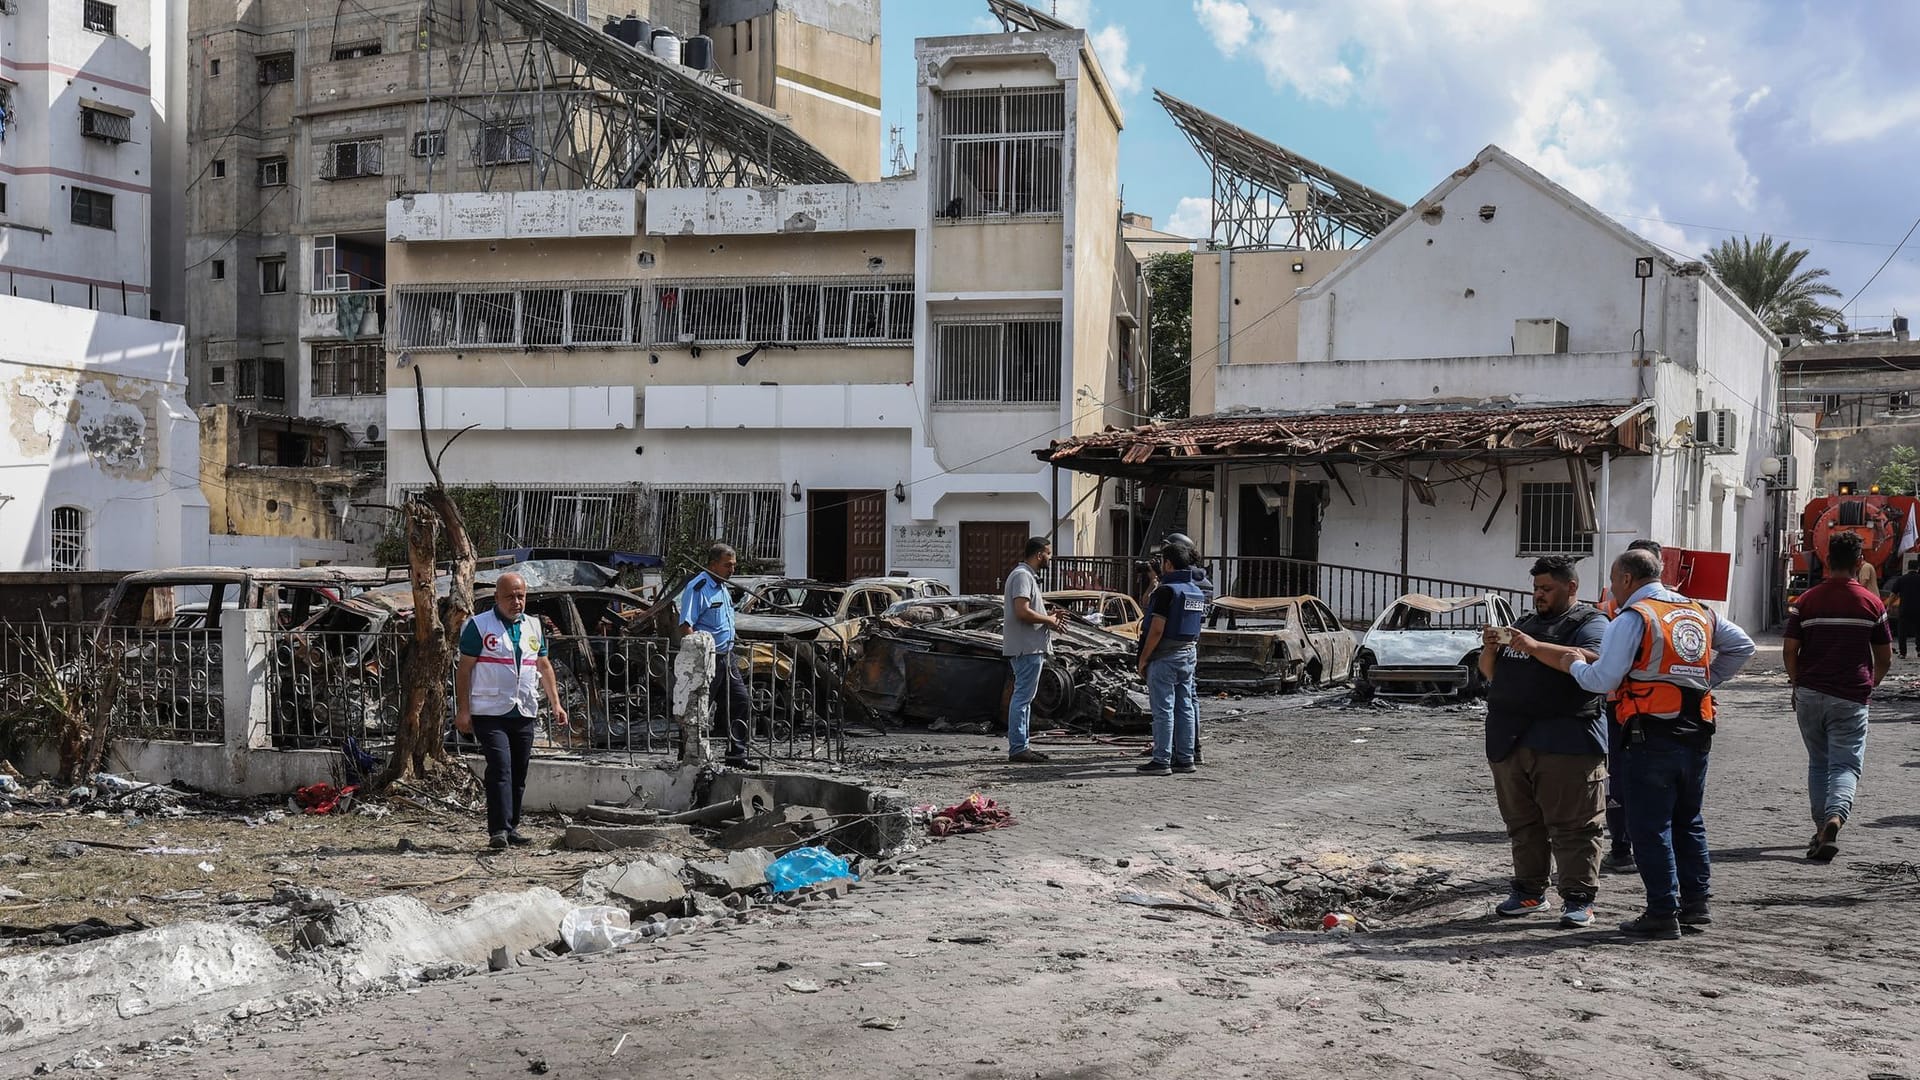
(105, 126)
(1009, 360)
(246, 379)
(1551, 521)
(67, 539)
(97, 16)
(505, 143)
(863, 311)
(356, 51)
(341, 370)
(276, 68)
(352, 159)
(273, 379)
(1001, 152)
(747, 517)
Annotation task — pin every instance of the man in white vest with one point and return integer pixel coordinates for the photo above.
(502, 656)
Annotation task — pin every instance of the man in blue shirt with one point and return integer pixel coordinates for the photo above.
(705, 606)
(1662, 750)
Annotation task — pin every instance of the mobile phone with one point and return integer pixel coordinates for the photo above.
(1502, 634)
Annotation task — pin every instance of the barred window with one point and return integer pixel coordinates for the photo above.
(105, 126)
(273, 379)
(67, 539)
(98, 16)
(1552, 521)
(747, 517)
(276, 68)
(246, 379)
(1001, 152)
(503, 143)
(340, 370)
(832, 311)
(353, 158)
(1011, 360)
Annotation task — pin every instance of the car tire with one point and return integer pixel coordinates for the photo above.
(1357, 676)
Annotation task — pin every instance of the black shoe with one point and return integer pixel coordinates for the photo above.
(514, 838)
(1196, 755)
(742, 765)
(1617, 862)
(497, 840)
(1695, 913)
(1661, 927)
(1153, 768)
(1191, 766)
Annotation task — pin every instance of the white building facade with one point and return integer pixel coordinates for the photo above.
(100, 453)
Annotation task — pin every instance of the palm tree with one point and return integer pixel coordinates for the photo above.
(1766, 275)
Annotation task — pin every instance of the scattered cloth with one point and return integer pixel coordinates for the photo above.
(975, 813)
(324, 798)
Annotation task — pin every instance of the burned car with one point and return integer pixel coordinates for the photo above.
(1426, 648)
(939, 658)
(1272, 643)
(1114, 612)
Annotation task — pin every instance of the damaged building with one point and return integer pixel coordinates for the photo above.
(279, 492)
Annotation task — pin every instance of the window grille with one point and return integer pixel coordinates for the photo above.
(97, 16)
(1001, 152)
(748, 518)
(217, 375)
(273, 380)
(67, 539)
(276, 68)
(1550, 521)
(92, 208)
(340, 370)
(246, 380)
(356, 50)
(504, 143)
(833, 311)
(353, 159)
(105, 126)
(1012, 360)
(273, 171)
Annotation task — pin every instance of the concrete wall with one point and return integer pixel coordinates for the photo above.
(1261, 324)
(816, 61)
(95, 417)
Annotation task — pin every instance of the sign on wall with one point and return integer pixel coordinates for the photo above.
(929, 546)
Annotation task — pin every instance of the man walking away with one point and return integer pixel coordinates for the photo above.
(503, 665)
(1907, 588)
(1619, 857)
(1546, 741)
(1837, 648)
(1665, 653)
(706, 605)
(1168, 657)
(1026, 639)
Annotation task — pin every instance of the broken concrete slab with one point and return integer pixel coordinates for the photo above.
(616, 837)
(394, 934)
(740, 871)
(621, 815)
(775, 828)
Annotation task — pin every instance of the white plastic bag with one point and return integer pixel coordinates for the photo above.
(596, 929)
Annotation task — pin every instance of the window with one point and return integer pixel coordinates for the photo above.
(104, 125)
(67, 539)
(272, 171)
(356, 50)
(429, 144)
(1001, 152)
(273, 380)
(325, 267)
(213, 69)
(349, 369)
(92, 208)
(273, 275)
(579, 10)
(3, 198)
(217, 375)
(1015, 361)
(1551, 521)
(598, 317)
(219, 269)
(502, 143)
(246, 380)
(748, 516)
(97, 16)
(219, 168)
(830, 311)
(352, 159)
(276, 68)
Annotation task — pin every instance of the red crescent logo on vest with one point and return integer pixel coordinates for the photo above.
(1689, 639)
(493, 641)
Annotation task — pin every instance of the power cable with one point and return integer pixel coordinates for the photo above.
(1883, 265)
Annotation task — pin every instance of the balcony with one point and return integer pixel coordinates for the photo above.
(333, 315)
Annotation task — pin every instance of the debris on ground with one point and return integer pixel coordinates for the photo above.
(975, 813)
(808, 866)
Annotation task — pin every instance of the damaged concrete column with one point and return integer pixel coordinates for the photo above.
(692, 707)
(243, 651)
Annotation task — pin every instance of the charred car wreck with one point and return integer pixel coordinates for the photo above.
(1425, 648)
(939, 658)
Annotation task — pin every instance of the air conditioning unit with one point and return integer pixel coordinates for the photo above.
(1781, 473)
(1535, 337)
(1715, 430)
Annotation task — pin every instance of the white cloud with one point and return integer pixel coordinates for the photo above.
(1071, 12)
(1227, 22)
(1110, 44)
(1191, 217)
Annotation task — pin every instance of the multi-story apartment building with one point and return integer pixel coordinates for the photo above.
(86, 155)
(308, 118)
(842, 379)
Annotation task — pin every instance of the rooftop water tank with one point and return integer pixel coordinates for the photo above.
(666, 46)
(635, 31)
(698, 53)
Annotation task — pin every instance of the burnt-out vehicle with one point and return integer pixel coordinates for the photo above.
(1262, 644)
(939, 658)
(1426, 648)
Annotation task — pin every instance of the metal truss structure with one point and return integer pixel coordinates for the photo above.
(554, 103)
(1016, 17)
(1267, 196)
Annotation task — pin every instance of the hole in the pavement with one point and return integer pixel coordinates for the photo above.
(1302, 890)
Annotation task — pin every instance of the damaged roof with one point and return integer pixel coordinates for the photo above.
(1515, 432)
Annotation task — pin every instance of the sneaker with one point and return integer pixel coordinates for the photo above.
(1577, 914)
(1155, 768)
(1825, 845)
(1695, 913)
(1196, 755)
(1649, 925)
(1191, 766)
(497, 840)
(1619, 862)
(1518, 903)
(1028, 757)
(514, 838)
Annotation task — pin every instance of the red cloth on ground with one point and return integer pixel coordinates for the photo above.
(975, 813)
(321, 798)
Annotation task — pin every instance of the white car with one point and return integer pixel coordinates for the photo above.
(1427, 648)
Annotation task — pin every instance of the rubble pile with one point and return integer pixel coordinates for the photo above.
(1297, 892)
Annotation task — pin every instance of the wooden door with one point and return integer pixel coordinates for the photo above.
(846, 534)
(988, 549)
(866, 534)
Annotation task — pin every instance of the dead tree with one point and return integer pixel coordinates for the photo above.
(420, 746)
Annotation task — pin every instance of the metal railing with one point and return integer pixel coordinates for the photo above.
(158, 682)
(326, 686)
(1355, 594)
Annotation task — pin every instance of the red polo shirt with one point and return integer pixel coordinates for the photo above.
(1837, 623)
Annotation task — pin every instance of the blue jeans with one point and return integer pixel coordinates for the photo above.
(1176, 710)
(1835, 731)
(1666, 782)
(1026, 683)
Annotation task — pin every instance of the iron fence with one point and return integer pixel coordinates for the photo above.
(326, 686)
(155, 682)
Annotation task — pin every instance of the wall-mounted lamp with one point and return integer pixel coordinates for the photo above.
(899, 492)
(1643, 267)
(1299, 266)
(795, 491)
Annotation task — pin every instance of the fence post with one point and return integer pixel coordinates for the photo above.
(692, 707)
(243, 652)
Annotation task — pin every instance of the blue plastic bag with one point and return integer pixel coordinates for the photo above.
(807, 866)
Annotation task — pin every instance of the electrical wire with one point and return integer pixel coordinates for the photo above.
(1883, 265)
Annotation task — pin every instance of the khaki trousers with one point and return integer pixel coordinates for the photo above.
(1555, 807)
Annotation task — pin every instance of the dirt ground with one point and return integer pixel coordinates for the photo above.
(1011, 953)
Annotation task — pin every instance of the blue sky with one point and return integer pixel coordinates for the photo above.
(1688, 120)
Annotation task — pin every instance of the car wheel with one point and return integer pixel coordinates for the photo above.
(1362, 688)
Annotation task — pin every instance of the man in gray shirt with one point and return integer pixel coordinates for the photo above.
(1026, 639)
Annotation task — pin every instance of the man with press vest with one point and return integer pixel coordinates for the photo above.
(1619, 859)
(503, 662)
(705, 605)
(1547, 744)
(1665, 654)
(1168, 657)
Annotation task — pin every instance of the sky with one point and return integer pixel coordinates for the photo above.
(1687, 120)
